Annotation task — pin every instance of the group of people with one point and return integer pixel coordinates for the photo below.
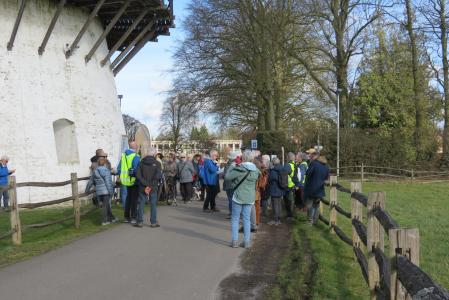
(252, 182)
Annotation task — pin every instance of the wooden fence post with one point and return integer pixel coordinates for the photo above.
(362, 173)
(333, 202)
(14, 215)
(375, 239)
(406, 243)
(356, 213)
(76, 200)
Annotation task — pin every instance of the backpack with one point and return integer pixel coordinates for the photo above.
(283, 178)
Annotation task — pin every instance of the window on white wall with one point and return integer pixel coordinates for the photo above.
(65, 141)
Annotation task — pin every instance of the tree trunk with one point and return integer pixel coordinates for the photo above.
(417, 84)
(443, 39)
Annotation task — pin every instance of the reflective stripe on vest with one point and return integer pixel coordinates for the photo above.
(304, 176)
(291, 184)
(126, 163)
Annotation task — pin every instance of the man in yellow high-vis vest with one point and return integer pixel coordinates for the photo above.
(127, 166)
(289, 197)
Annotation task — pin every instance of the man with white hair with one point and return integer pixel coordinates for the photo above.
(4, 173)
(148, 174)
(127, 169)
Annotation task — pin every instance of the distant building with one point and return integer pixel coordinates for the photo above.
(193, 147)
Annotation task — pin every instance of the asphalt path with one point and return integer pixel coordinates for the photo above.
(186, 258)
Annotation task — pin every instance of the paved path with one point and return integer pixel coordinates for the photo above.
(185, 258)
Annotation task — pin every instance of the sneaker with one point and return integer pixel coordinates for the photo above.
(133, 222)
(272, 223)
(245, 245)
(215, 210)
(126, 221)
(235, 244)
(189, 202)
(207, 210)
(253, 230)
(139, 224)
(277, 223)
(155, 225)
(105, 223)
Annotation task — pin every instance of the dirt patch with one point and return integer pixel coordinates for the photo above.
(280, 259)
(259, 265)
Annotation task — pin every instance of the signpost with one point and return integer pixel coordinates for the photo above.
(254, 144)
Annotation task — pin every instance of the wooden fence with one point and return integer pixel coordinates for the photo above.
(367, 172)
(393, 275)
(17, 228)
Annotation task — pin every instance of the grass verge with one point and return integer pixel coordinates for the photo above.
(336, 275)
(39, 241)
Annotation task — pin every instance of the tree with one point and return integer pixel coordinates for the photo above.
(131, 125)
(235, 61)
(435, 27)
(335, 32)
(176, 119)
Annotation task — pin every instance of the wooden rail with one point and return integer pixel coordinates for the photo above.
(17, 227)
(366, 172)
(394, 276)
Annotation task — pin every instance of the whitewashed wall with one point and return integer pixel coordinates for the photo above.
(37, 90)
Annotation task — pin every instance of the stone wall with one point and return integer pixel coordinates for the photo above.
(36, 91)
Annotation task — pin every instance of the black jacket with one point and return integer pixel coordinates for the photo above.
(148, 173)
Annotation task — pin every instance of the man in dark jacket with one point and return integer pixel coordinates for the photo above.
(148, 174)
(316, 175)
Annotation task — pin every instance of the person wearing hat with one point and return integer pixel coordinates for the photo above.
(227, 184)
(104, 189)
(4, 173)
(316, 175)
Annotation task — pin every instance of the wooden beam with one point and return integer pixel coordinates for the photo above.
(51, 27)
(16, 25)
(107, 30)
(139, 37)
(125, 36)
(89, 20)
(134, 51)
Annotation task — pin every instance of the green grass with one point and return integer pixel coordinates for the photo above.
(420, 205)
(38, 241)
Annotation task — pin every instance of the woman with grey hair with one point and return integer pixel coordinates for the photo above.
(243, 180)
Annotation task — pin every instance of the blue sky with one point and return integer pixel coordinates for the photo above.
(145, 79)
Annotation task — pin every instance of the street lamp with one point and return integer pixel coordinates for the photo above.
(338, 131)
(120, 99)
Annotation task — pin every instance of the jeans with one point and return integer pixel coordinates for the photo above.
(313, 211)
(123, 193)
(107, 211)
(289, 199)
(186, 191)
(245, 211)
(131, 202)
(5, 195)
(277, 207)
(230, 194)
(211, 193)
(141, 207)
(253, 218)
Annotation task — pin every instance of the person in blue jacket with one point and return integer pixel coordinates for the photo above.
(210, 178)
(316, 175)
(4, 173)
(276, 191)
